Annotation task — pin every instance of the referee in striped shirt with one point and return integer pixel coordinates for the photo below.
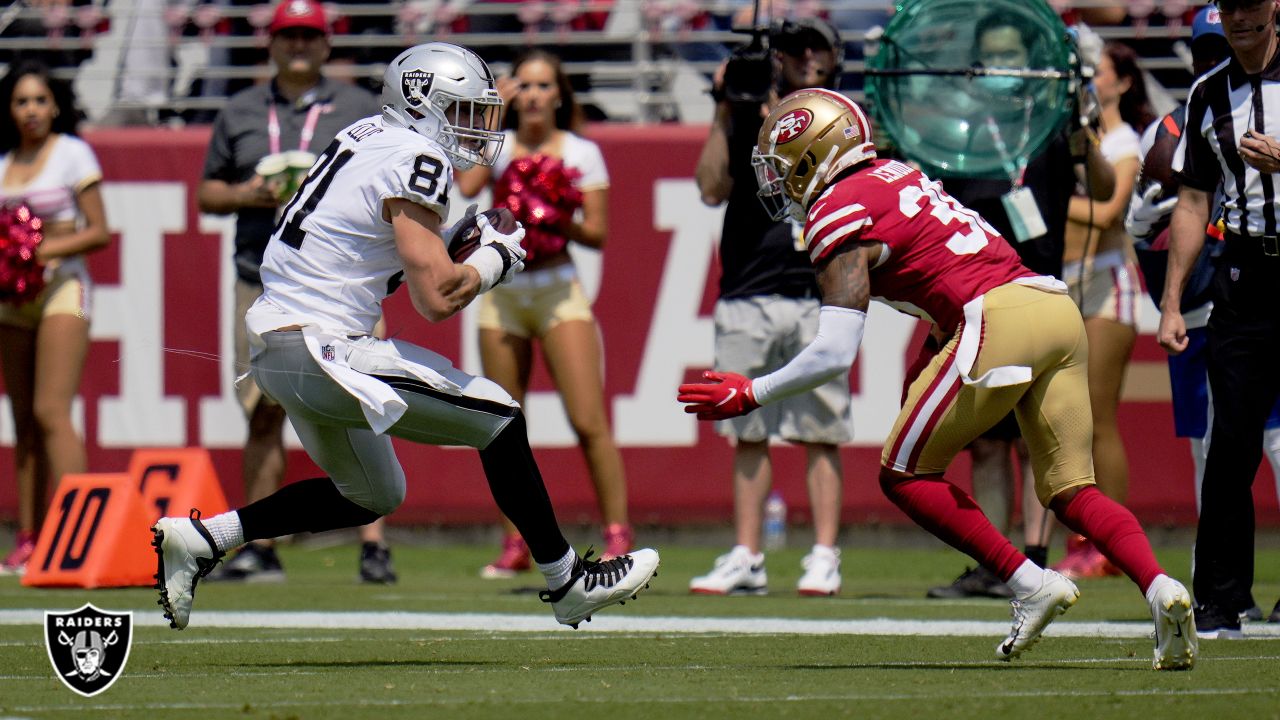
(1233, 120)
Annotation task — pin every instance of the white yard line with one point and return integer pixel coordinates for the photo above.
(514, 623)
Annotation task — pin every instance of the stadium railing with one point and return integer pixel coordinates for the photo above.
(632, 60)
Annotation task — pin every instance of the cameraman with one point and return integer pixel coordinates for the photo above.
(767, 291)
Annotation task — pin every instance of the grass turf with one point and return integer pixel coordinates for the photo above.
(384, 674)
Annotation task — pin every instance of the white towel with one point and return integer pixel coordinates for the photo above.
(971, 340)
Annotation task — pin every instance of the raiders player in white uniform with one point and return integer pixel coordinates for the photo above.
(366, 219)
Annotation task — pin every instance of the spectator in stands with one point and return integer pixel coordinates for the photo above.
(51, 20)
(299, 110)
(496, 16)
(1101, 271)
(545, 303)
(1219, 154)
(767, 312)
(1003, 40)
(1148, 221)
(43, 343)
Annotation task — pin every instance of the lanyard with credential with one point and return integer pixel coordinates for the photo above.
(1015, 167)
(308, 128)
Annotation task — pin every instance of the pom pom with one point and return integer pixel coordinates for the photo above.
(539, 192)
(21, 275)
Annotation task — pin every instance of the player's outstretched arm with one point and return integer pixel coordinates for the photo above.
(846, 292)
(844, 278)
(845, 285)
(438, 287)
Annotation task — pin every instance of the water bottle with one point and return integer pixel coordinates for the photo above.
(775, 522)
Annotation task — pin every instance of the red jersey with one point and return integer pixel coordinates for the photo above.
(936, 254)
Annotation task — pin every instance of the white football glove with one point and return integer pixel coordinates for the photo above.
(499, 256)
(1147, 216)
(453, 229)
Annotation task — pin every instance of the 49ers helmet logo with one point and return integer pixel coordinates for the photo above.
(792, 125)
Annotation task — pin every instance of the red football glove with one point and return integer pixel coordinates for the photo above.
(726, 395)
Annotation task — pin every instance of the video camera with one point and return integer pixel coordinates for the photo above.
(748, 76)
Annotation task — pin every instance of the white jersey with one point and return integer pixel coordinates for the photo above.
(332, 258)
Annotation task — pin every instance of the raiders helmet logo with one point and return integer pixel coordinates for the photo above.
(792, 125)
(88, 647)
(414, 85)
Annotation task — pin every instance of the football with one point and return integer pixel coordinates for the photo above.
(466, 234)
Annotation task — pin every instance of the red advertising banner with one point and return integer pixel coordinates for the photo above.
(160, 372)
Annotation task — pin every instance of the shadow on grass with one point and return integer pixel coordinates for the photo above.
(370, 664)
(975, 666)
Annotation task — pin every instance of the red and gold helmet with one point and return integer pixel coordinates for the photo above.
(808, 139)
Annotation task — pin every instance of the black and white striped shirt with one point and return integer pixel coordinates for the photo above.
(1224, 104)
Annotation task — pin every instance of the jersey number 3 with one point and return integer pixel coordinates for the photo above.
(975, 232)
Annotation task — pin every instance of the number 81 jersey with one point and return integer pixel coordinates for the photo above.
(332, 258)
(935, 254)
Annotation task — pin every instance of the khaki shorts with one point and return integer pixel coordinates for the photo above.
(65, 295)
(1022, 326)
(1110, 289)
(534, 302)
(758, 335)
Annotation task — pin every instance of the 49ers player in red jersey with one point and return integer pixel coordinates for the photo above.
(881, 228)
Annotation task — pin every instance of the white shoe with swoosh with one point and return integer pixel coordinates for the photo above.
(1032, 614)
(1176, 641)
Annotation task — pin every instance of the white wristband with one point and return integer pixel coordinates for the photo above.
(830, 353)
(488, 264)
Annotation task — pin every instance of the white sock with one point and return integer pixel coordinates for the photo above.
(1026, 580)
(226, 530)
(1155, 585)
(830, 551)
(559, 572)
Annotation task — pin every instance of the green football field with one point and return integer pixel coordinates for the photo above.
(446, 643)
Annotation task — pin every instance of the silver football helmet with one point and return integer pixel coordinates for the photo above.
(446, 93)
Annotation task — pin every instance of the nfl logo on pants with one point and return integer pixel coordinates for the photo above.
(88, 647)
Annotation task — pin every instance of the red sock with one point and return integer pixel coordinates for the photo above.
(949, 513)
(1115, 532)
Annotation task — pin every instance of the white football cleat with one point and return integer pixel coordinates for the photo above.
(1176, 642)
(185, 552)
(737, 572)
(1032, 614)
(595, 585)
(821, 572)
